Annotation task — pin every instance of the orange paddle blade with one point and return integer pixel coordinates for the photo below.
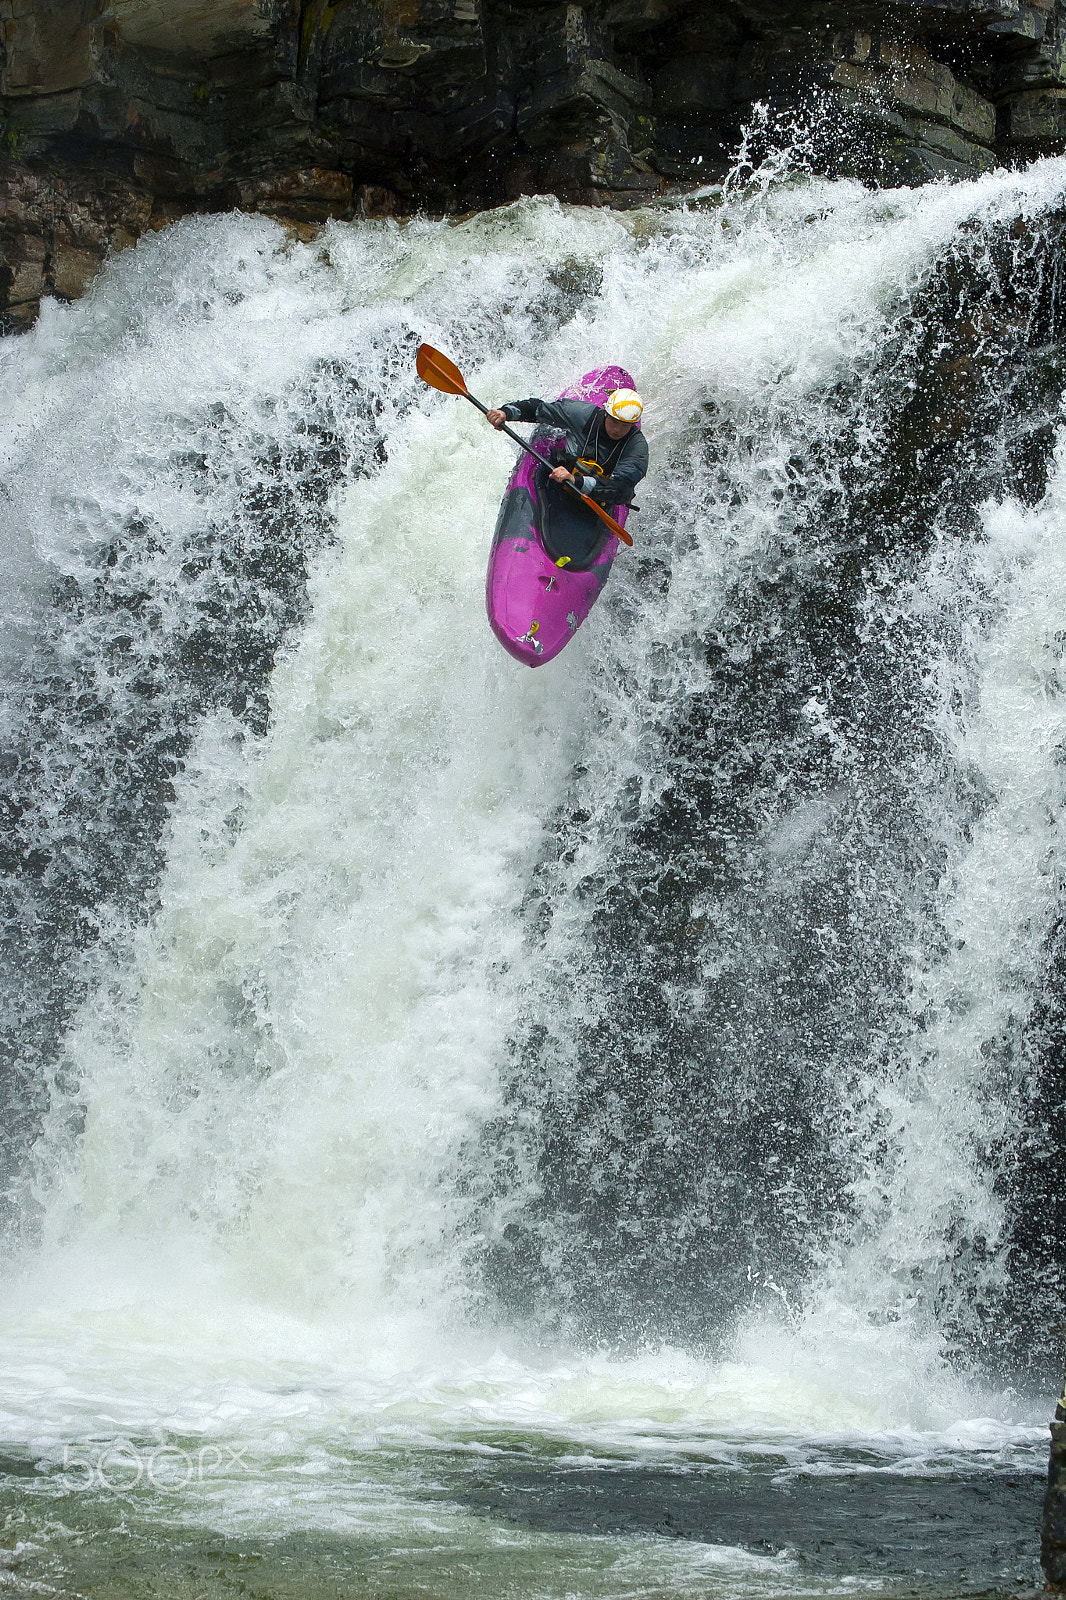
(438, 371)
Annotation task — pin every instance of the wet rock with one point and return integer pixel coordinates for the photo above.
(907, 78)
(1053, 1527)
(128, 113)
(25, 269)
(1039, 118)
(56, 230)
(311, 194)
(73, 270)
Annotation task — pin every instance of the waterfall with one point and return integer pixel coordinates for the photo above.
(663, 1032)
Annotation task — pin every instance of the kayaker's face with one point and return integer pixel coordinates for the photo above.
(616, 429)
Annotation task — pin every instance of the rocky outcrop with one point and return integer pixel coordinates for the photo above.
(1053, 1529)
(120, 114)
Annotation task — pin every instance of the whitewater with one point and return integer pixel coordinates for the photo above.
(457, 1114)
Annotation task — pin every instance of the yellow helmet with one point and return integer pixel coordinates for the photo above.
(625, 405)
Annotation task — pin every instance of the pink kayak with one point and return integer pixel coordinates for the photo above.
(535, 605)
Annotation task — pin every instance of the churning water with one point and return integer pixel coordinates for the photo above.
(583, 1132)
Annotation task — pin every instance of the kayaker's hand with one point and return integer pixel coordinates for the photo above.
(562, 475)
(496, 417)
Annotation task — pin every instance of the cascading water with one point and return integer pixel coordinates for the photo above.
(471, 1125)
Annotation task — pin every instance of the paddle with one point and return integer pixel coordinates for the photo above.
(442, 374)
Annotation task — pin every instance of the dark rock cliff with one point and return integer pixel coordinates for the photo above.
(118, 115)
(1053, 1529)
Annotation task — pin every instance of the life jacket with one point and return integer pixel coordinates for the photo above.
(596, 435)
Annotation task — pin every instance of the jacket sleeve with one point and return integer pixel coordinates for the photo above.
(521, 410)
(569, 415)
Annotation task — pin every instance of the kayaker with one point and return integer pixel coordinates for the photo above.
(607, 454)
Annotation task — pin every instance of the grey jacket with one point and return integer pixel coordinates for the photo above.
(625, 461)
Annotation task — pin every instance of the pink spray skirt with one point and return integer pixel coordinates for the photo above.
(535, 605)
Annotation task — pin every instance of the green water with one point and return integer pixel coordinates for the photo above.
(515, 1522)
